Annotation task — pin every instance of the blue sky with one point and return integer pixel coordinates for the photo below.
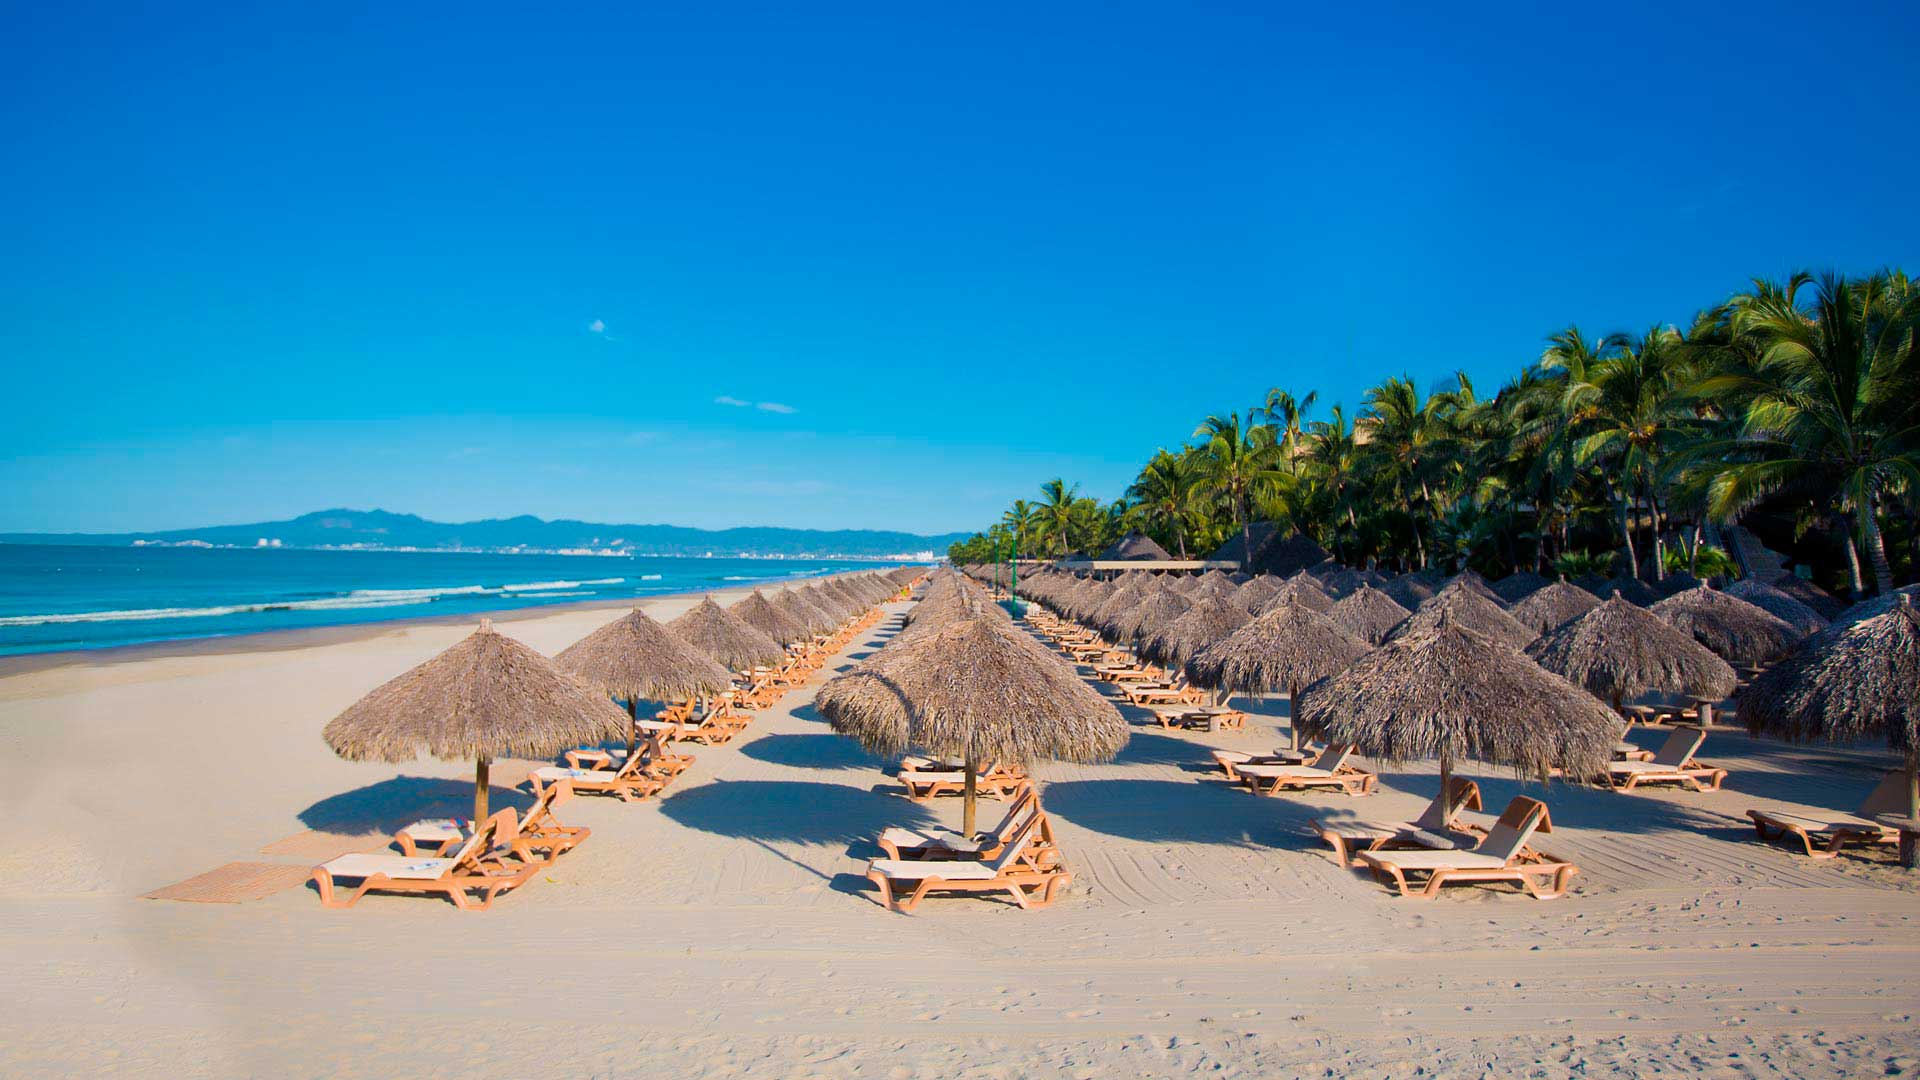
(884, 266)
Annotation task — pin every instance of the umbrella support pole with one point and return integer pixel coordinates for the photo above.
(1907, 839)
(480, 770)
(1293, 716)
(969, 793)
(633, 723)
(1446, 776)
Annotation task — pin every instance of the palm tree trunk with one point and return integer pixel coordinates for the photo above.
(1856, 589)
(1877, 550)
(1659, 544)
(1693, 556)
(1626, 532)
(1246, 534)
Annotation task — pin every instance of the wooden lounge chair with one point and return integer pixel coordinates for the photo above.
(1674, 763)
(1438, 826)
(1502, 856)
(538, 831)
(934, 843)
(1231, 760)
(662, 764)
(1204, 718)
(717, 725)
(1826, 835)
(1014, 872)
(478, 867)
(1178, 692)
(925, 782)
(636, 778)
(1329, 770)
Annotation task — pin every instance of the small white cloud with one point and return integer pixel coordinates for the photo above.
(597, 326)
(724, 399)
(774, 407)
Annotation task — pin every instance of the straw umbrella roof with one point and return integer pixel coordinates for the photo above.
(1620, 650)
(1466, 606)
(1112, 604)
(1632, 590)
(1847, 683)
(1145, 618)
(834, 604)
(1340, 582)
(1553, 606)
(1802, 618)
(1448, 693)
(1207, 621)
(718, 633)
(974, 690)
(1519, 585)
(1410, 590)
(634, 658)
(1471, 581)
(1213, 585)
(794, 604)
(487, 697)
(1300, 590)
(1878, 605)
(1810, 594)
(1738, 631)
(1286, 647)
(758, 612)
(1678, 581)
(1368, 614)
(1254, 595)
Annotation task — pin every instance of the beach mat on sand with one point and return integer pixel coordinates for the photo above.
(234, 883)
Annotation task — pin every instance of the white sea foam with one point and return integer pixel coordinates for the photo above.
(149, 614)
(579, 592)
(546, 585)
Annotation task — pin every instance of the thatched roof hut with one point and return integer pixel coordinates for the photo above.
(1300, 590)
(1135, 546)
(487, 697)
(1368, 614)
(1284, 649)
(1619, 651)
(1802, 618)
(1738, 631)
(634, 657)
(1449, 693)
(1519, 585)
(1849, 682)
(1552, 606)
(1209, 620)
(978, 691)
(1468, 607)
(715, 631)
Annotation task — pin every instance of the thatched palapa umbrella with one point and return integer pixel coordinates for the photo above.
(978, 691)
(1253, 595)
(758, 612)
(1849, 682)
(1519, 585)
(634, 657)
(1553, 606)
(713, 630)
(1620, 650)
(1368, 614)
(1447, 692)
(1286, 648)
(794, 604)
(1207, 621)
(1738, 631)
(487, 697)
(1300, 590)
(1147, 617)
(1468, 607)
(1802, 618)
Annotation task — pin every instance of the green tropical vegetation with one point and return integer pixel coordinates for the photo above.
(1791, 410)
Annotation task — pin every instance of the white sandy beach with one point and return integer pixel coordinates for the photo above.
(725, 930)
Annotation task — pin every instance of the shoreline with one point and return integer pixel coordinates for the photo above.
(301, 637)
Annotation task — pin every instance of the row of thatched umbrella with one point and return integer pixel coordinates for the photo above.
(489, 696)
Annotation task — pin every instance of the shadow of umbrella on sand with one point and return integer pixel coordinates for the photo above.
(487, 697)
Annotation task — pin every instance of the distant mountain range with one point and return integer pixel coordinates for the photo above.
(380, 529)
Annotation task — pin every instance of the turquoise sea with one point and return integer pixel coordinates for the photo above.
(54, 598)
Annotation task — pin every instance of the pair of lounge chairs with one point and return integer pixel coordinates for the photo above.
(1177, 692)
(1673, 763)
(1203, 718)
(474, 865)
(1420, 871)
(1443, 825)
(641, 775)
(1825, 836)
(1331, 770)
(1017, 857)
(925, 778)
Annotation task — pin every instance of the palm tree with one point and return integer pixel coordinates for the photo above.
(1332, 455)
(1023, 521)
(1287, 413)
(1235, 463)
(1056, 513)
(1573, 362)
(1630, 418)
(1399, 455)
(1831, 414)
(1165, 493)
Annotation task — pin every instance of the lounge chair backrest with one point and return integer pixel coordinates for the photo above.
(1016, 846)
(1515, 827)
(1679, 747)
(1889, 798)
(502, 828)
(1016, 814)
(1334, 756)
(1461, 794)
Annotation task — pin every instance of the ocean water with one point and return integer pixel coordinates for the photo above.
(54, 598)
